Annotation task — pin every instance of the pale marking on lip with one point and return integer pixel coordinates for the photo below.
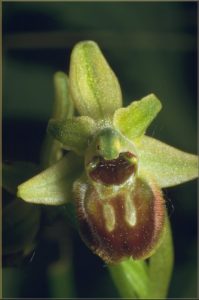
(109, 216)
(130, 211)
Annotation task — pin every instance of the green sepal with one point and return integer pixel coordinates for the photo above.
(63, 105)
(133, 120)
(73, 133)
(94, 87)
(14, 173)
(167, 165)
(54, 185)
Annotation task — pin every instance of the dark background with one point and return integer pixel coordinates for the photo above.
(152, 48)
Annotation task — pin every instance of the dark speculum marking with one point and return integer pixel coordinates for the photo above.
(113, 172)
(109, 229)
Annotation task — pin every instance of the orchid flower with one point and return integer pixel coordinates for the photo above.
(112, 174)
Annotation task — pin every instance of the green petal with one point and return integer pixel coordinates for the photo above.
(73, 133)
(167, 165)
(94, 86)
(63, 106)
(54, 185)
(15, 173)
(133, 120)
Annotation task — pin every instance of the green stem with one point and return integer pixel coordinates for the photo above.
(131, 278)
(161, 265)
(60, 280)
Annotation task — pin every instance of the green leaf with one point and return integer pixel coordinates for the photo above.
(94, 87)
(133, 120)
(21, 223)
(54, 185)
(73, 133)
(63, 105)
(161, 265)
(131, 278)
(167, 165)
(61, 279)
(15, 173)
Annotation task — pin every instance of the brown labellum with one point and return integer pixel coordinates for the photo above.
(128, 224)
(115, 171)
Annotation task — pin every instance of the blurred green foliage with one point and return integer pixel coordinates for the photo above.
(152, 48)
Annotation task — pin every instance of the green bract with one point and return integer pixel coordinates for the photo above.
(113, 174)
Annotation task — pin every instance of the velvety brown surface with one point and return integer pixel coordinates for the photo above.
(124, 240)
(114, 171)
